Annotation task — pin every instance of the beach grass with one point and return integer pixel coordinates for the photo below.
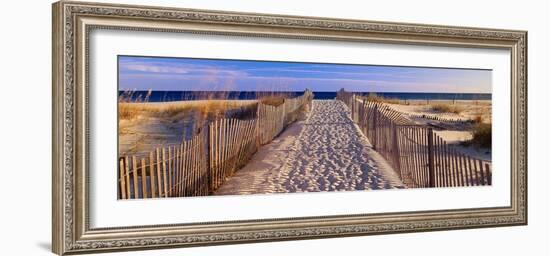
(131, 105)
(379, 98)
(272, 100)
(482, 135)
(129, 111)
(447, 108)
(478, 118)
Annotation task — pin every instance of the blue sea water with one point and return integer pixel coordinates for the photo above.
(415, 95)
(165, 96)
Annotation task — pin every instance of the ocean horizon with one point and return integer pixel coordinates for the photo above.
(167, 96)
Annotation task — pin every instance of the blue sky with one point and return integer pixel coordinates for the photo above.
(185, 74)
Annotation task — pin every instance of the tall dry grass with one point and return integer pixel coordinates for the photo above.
(134, 96)
(272, 100)
(482, 135)
(211, 105)
(170, 109)
(478, 118)
(379, 98)
(125, 112)
(447, 108)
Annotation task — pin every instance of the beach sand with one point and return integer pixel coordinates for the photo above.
(325, 152)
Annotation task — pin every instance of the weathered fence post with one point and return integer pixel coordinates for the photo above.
(488, 174)
(208, 146)
(396, 153)
(122, 181)
(364, 116)
(352, 105)
(284, 111)
(374, 126)
(431, 169)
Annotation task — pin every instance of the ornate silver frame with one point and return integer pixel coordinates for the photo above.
(72, 21)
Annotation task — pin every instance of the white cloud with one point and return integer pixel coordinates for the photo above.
(156, 69)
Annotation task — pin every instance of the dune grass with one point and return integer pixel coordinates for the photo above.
(478, 118)
(482, 135)
(129, 111)
(379, 98)
(131, 105)
(447, 108)
(272, 100)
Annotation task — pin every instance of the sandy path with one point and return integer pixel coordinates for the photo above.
(326, 152)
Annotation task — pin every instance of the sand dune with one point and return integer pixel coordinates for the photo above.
(470, 109)
(157, 124)
(326, 152)
(454, 133)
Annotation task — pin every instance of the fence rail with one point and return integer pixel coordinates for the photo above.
(200, 165)
(441, 119)
(419, 156)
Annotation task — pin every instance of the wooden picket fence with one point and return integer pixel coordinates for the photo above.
(231, 144)
(419, 156)
(166, 172)
(273, 119)
(198, 166)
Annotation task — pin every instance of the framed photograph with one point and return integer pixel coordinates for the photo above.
(179, 127)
